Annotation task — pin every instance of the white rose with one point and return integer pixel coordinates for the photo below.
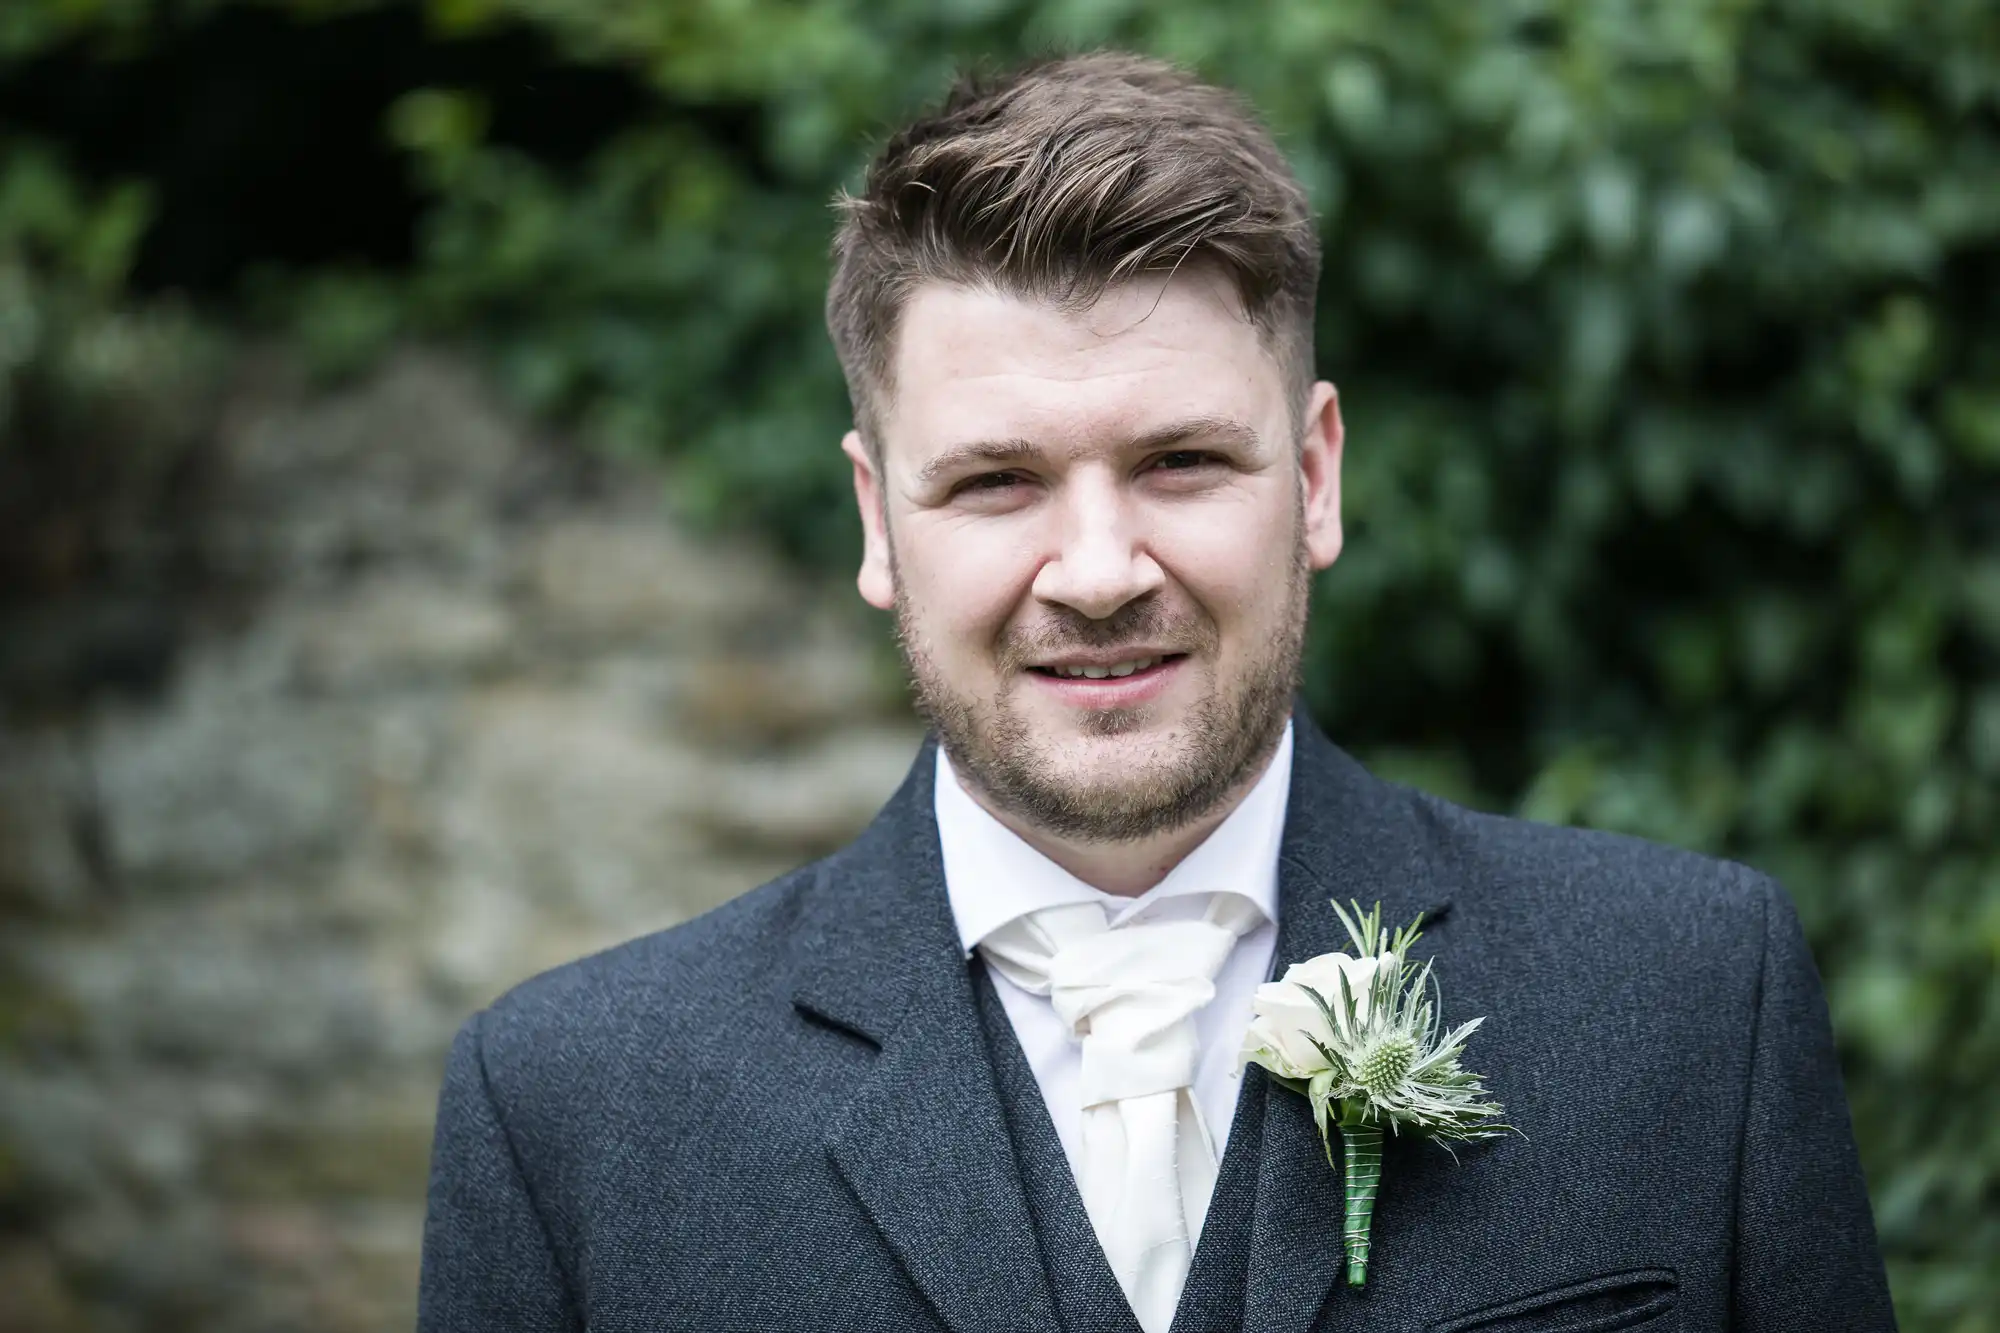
(1285, 1023)
(1323, 974)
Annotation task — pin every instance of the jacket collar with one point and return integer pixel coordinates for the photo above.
(922, 1143)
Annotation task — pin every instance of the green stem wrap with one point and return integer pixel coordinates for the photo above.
(1361, 1154)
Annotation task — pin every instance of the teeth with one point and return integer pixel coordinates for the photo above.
(1100, 673)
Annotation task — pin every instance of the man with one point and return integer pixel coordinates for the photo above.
(981, 1069)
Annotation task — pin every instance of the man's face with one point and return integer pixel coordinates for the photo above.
(1096, 530)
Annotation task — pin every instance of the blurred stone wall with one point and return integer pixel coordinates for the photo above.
(440, 704)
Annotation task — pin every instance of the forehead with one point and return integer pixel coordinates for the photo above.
(975, 363)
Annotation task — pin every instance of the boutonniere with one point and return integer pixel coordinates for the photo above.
(1358, 1038)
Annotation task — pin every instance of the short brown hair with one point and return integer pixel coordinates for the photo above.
(1058, 180)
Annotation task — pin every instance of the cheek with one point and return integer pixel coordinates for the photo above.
(963, 580)
(1235, 560)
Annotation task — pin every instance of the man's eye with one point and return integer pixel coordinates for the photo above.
(1180, 460)
(991, 481)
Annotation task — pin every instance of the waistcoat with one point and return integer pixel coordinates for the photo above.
(1087, 1296)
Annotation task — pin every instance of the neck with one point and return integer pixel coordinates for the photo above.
(1127, 869)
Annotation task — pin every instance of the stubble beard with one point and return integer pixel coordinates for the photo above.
(1225, 736)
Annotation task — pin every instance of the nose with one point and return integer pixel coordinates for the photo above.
(1101, 561)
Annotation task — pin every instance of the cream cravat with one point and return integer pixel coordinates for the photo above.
(1129, 996)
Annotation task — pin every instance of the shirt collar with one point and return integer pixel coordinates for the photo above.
(992, 877)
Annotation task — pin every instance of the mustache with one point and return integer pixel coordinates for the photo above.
(1143, 623)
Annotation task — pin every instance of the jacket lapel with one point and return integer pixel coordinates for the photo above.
(1346, 837)
(923, 1142)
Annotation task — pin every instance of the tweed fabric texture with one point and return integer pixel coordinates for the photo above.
(1086, 1292)
(784, 1115)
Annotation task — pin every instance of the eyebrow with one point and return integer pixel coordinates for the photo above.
(1225, 431)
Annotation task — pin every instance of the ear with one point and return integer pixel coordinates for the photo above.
(878, 586)
(1319, 474)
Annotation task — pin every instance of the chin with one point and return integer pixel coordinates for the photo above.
(1112, 792)
(1128, 733)
(1112, 753)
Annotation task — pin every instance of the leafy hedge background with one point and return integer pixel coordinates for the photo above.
(1669, 339)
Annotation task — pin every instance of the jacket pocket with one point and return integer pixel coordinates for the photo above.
(1640, 1298)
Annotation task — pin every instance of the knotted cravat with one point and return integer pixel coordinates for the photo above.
(1129, 995)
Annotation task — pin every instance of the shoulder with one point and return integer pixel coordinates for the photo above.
(1581, 867)
(652, 1002)
(678, 1013)
(1664, 956)
(1540, 893)
(1506, 867)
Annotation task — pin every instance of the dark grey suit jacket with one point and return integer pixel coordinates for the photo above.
(784, 1115)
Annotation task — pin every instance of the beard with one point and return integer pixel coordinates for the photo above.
(1225, 737)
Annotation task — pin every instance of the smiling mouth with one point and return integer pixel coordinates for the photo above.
(1110, 670)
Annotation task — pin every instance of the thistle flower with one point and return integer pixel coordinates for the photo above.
(1358, 1037)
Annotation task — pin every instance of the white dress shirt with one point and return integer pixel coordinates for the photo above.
(993, 877)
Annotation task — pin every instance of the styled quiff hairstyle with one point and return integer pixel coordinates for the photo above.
(1058, 180)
